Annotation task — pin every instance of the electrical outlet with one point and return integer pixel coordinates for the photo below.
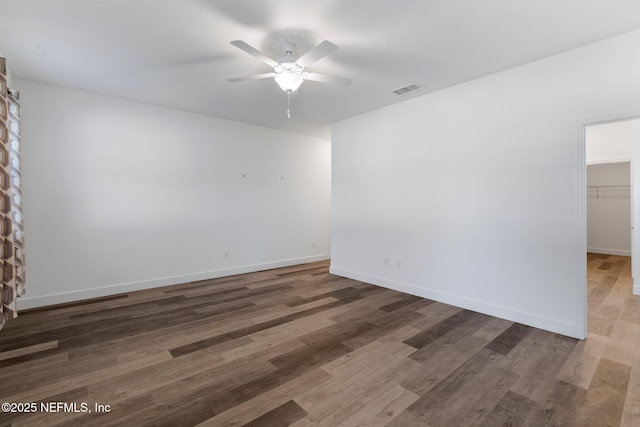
(226, 253)
(313, 244)
(386, 261)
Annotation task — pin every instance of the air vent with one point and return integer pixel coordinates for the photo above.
(408, 89)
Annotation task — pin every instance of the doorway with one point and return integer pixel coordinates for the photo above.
(612, 149)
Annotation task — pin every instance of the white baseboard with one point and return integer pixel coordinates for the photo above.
(605, 251)
(530, 319)
(27, 302)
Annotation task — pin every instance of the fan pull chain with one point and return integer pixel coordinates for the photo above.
(288, 104)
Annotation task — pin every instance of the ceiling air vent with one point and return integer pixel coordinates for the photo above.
(408, 89)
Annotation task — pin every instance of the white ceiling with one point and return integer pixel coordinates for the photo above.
(176, 53)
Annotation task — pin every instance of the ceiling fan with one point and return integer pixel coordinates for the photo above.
(289, 72)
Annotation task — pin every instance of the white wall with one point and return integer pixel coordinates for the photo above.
(609, 208)
(475, 193)
(609, 142)
(121, 196)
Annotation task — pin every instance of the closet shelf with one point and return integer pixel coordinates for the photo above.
(608, 192)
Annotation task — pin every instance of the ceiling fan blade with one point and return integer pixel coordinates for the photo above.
(254, 52)
(317, 53)
(324, 78)
(254, 77)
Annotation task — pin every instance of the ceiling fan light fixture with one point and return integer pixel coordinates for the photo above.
(289, 81)
(289, 72)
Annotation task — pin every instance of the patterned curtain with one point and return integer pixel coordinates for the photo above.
(11, 228)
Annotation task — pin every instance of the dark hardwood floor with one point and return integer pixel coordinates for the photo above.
(298, 346)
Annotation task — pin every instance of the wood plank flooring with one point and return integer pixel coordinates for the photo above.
(299, 347)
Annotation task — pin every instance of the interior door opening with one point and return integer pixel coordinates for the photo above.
(612, 151)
